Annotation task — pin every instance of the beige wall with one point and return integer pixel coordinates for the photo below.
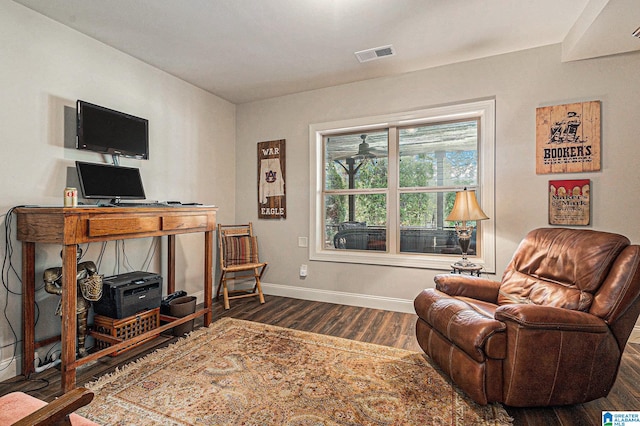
(44, 68)
(520, 82)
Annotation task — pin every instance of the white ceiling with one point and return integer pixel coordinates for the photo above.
(246, 50)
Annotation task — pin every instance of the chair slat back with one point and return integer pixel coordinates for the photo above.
(238, 250)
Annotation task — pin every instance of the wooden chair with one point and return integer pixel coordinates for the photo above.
(239, 260)
(20, 409)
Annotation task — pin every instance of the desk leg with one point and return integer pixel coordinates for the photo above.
(171, 264)
(208, 277)
(28, 307)
(69, 317)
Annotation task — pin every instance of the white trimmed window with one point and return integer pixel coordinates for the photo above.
(383, 186)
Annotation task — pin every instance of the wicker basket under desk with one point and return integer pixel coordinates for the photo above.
(126, 328)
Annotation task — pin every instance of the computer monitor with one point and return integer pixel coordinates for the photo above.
(105, 181)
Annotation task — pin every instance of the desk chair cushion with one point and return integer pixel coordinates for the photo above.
(240, 250)
(18, 405)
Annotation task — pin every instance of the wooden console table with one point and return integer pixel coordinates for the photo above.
(70, 226)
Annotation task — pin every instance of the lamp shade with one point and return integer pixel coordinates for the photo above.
(466, 208)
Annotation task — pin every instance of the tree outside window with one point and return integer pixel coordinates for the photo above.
(432, 160)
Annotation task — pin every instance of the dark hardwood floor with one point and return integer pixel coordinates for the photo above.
(363, 324)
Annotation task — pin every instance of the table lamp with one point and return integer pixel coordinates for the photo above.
(465, 209)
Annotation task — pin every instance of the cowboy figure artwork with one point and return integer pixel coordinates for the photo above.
(89, 290)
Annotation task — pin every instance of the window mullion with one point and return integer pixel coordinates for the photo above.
(393, 200)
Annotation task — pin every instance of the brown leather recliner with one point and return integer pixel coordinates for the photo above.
(551, 333)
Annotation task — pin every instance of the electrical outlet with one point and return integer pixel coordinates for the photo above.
(303, 270)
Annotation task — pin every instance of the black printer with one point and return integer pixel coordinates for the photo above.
(126, 294)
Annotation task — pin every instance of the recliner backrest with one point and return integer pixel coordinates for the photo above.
(617, 301)
(560, 267)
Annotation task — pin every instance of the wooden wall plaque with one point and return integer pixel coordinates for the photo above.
(272, 198)
(568, 138)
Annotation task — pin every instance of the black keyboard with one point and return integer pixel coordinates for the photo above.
(148, 204)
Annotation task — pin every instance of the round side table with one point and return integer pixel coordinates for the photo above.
(472, 270)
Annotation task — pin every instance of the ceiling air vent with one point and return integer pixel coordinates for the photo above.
(375, 53)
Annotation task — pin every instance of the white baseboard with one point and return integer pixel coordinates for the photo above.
(9, 367)
(199, 296)
(342, 298)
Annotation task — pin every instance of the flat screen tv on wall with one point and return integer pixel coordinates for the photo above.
(107, 131)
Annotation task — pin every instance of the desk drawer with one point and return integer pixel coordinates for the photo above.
(170, 223)
(100, 227)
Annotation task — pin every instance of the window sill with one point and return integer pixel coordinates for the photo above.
(421, 261)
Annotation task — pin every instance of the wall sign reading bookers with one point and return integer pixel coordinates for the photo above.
(272, 199)
(568, 138)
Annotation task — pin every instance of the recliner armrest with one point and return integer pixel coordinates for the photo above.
(551, 318)
(468, 286)
(565, 355)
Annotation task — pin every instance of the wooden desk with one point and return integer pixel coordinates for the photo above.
(72, 226)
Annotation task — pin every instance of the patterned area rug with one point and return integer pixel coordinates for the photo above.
(244, 373)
